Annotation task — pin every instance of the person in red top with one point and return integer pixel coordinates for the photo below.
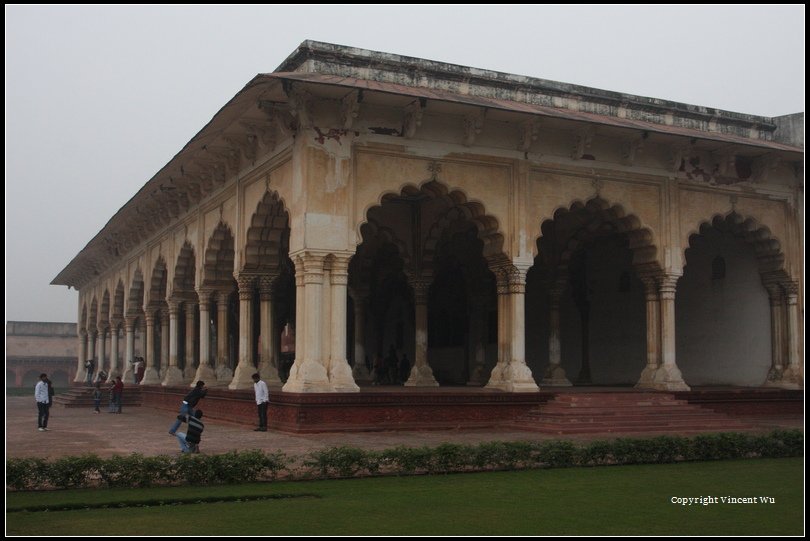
(117, 394)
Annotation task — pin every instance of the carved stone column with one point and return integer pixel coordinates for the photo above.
(647, 379)
(555, 374)
(360, 370)
(189, 368)
(150, 374)
(173, 375)
(477, 339)
(308, 373)
(224, 372)
(129, 349)
(269, 347)
(115, 369)
(668, 377)
(102, 350)
(792, 375)
(205, 372)
(245, 368)
(421, 374)
(340, 373)
(511, 374)
(164, 341)
(91, 346)
(81, 371)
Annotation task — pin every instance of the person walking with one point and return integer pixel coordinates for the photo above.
(190, 441)
(262, 400)
(97, 398)
(43, 400)
(189, 402)
(117, 394)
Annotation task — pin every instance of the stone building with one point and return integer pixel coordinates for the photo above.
(499, 230)
(36, 347)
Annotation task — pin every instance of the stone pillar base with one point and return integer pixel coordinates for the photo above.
(204, 373)
(150, 377)
(224, 376)
(242, 377)
(173, 377)
(360, 372)
(669, 378)
(269, 374)
(307, 377)
(789, 378)
(421, 376)
(555, 377)
(114, 374)
(340, 376)
(128, 376)
(188, 374)
(514, 377)
(647, 379)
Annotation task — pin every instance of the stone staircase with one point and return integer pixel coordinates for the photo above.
(82, 397)
(591, 413)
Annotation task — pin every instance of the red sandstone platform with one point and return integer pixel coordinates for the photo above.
(385, 408)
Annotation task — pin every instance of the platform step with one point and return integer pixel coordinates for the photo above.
(583, 413)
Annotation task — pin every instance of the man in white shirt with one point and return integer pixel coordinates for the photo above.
(262, 399)
(43, 402)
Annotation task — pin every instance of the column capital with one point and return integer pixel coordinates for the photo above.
(667, 284)
(174, 307)
(650, 286)
(222, 299)
(266, 282)
(359, 293)
(245, 283)
(189, 305)
(510, 278)
(129, 321)
(164, 313)
(421, 288)
(791, 291)
(204, 294)
(116, 322)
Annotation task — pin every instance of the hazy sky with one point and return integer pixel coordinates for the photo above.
(98, 99)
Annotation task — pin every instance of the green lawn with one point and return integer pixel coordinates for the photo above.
(631, 500)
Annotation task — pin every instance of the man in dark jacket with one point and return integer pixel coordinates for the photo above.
(189, 402)
(190, 442)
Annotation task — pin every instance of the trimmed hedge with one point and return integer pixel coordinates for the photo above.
(237, 467)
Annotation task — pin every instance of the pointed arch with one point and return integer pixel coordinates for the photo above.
(104, 312)
(767, 248)
(268, 236)
(488, 226)
(118, 301)
(136, 294)
(184, 270)
(219, 257)
(573, 226)
(158, 283)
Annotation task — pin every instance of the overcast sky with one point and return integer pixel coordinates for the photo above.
(98, 99)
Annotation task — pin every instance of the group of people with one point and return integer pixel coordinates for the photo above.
(391, 370)
(190, 440)
(116, 392)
